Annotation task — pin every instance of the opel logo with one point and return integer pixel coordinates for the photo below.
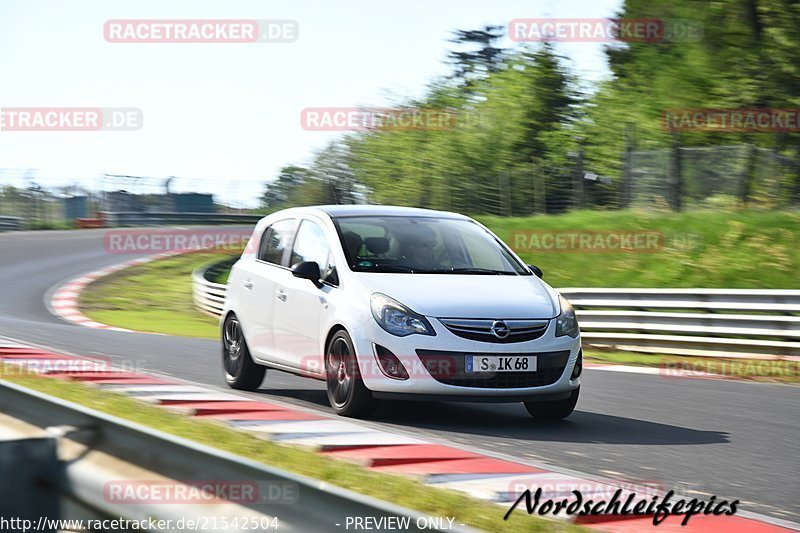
(500, 329)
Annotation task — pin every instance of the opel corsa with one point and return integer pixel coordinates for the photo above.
(398, 303)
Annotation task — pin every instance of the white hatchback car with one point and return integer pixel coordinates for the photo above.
(393, 302)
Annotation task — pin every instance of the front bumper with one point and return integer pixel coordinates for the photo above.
(435, 365)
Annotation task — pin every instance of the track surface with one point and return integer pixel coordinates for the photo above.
(732, 439)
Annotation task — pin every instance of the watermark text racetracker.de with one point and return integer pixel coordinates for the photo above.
(23, 366)
(731, 120)
(366, 119)
(396, 366)
(606, 241)
(730, 368)
(241, 523)
(604, 30)
(208, 491)
(137, 241)
(70, 118)
(200, 31)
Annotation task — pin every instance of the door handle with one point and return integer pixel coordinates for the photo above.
(282, 295)
(248, 284)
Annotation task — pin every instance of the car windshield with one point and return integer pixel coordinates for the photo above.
(423, 245)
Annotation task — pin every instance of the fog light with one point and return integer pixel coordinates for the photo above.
(576, 372)
(389, 363)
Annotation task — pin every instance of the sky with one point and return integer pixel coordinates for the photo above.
(224, 118)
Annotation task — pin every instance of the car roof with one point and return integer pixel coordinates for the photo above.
(335, 211)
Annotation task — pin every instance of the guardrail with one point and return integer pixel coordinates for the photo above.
(11, 224)
(110, 449)
(732, 322)
(209, 296)
(116, 219)
(703, 322)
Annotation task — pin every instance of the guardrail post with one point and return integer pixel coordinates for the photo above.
(30, 482)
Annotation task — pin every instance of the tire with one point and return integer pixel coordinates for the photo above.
(238, 368)
(347, 393)
(555, 410)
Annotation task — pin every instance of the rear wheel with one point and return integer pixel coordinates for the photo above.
(238, 367)
(555, 410)
(347, 393)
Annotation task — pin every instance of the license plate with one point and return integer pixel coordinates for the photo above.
(500, 363)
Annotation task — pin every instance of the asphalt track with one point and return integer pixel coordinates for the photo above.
(735, 440)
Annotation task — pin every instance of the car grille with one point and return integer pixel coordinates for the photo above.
(448, 368)
(481, 329)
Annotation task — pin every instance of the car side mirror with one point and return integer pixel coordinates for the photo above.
(536, 270)
(307, 270)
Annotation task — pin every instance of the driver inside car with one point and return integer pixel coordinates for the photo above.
(418, 249)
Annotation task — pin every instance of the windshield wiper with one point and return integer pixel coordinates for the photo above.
(400, 268)
(413, 270)
(477, 270)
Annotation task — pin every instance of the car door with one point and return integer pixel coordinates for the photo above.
(258, 284)
(299, 303)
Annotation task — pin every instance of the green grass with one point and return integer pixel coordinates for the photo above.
(747, 249)
(154, 297)
(55, 224)
(222, 277)
(403, 491)
(735, 368)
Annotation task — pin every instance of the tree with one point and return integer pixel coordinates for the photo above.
(277, 193)
(481, 57)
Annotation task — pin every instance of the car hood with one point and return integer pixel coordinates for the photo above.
(466, 296)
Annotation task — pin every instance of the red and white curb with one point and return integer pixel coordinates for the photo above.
(63, 300)
(493, 478)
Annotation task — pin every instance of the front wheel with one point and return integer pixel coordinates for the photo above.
(555, 410)
(238, 367)
(347, 393)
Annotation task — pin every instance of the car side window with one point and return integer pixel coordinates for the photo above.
(275, 240)
(311, 244)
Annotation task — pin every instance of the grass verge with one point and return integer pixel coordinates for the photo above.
(154, 297)
(745, 249)
(399, 490)
(675, 366)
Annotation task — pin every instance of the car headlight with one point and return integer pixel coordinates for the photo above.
(566, 322)
(398, 319)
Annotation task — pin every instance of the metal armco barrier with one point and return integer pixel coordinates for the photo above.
(732, 322)
(703, 322)
(115, 450)
(122, 219)
(209, 296)
(11, 224)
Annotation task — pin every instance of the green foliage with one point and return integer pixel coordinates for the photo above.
(748, 56)
(329, 180)
(524, 134)
(54, 224)
(512, 118)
